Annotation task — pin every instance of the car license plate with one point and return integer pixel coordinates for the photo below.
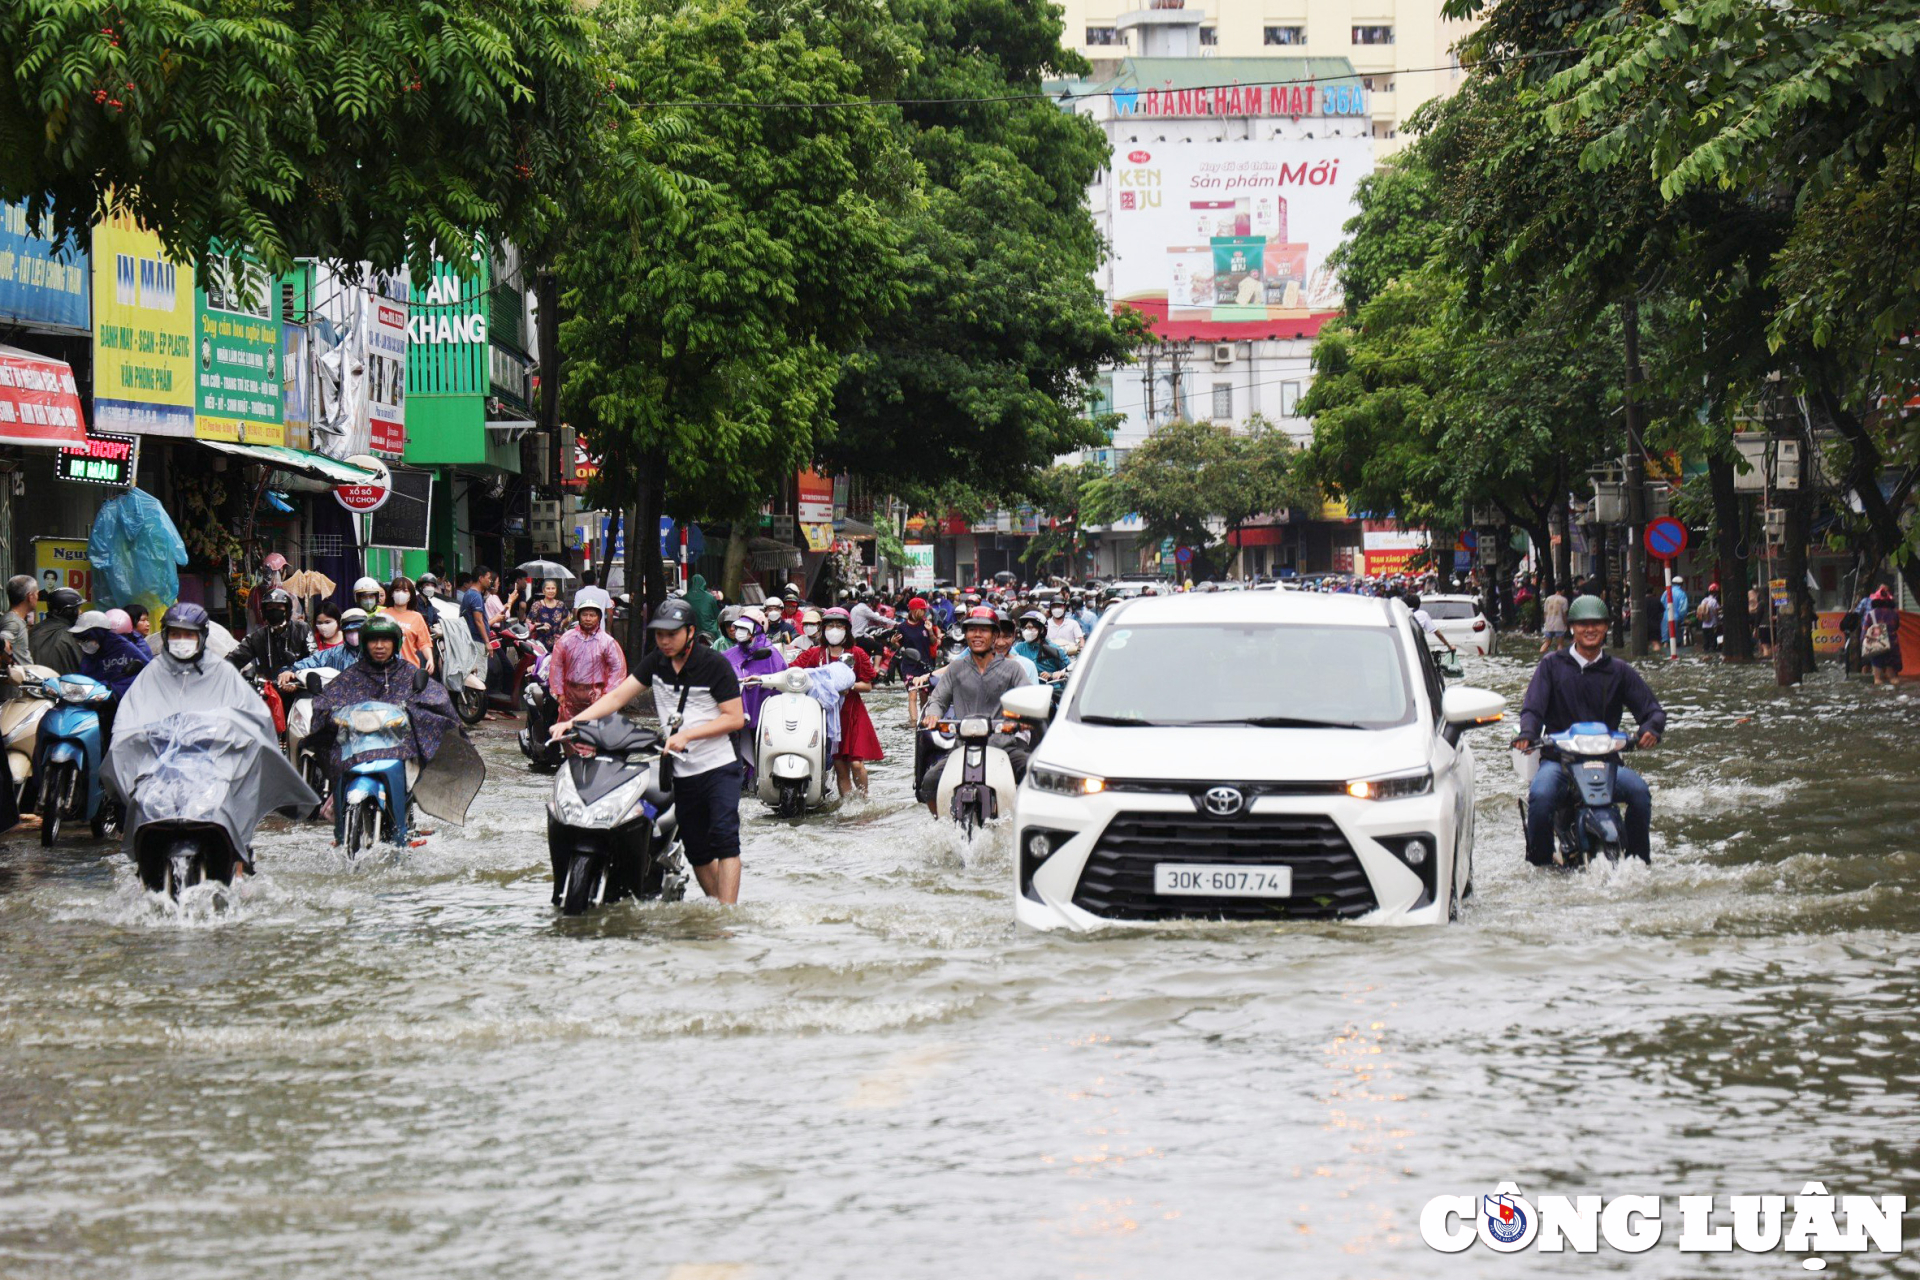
(1221, 880)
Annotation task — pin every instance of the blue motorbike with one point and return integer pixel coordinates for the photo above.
(70, 748)
(370, 799)
(1587, 824)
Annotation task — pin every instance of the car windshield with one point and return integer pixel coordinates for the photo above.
(1283, 675)
(1440, 609)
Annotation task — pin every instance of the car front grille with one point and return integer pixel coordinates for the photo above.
(1328, 881)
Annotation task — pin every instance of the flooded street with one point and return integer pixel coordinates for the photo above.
(417, 1069)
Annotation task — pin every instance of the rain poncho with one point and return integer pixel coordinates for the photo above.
(193, 742)
(451, 770)
(756, 657)
(135, 551)
(583, 668)
(706, 610)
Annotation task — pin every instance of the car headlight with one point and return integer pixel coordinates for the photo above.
(1059, 782)
(1397, 787)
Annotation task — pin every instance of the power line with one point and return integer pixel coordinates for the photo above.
(1066, 96)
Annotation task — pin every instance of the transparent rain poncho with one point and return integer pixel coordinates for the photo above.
(367, 727)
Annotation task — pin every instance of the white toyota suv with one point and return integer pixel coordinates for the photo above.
(1249, 756)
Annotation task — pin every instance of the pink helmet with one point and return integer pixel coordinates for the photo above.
(838, 612)
(120, 622)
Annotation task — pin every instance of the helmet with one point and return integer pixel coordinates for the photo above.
(1587, 609)
(121, 621)
(276, 607)
(364, 585)
(92, 620)
(837, 614)
(672, 615)
(381, 627)
(1034, 616)
(63, 602)
(979, 616)
(809, 615)
(353, 619)
(593, 598)
(187, 617)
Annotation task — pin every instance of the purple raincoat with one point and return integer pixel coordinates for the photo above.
(759, 656)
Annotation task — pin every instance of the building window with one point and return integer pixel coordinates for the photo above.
(1209, 36)
(1104, 36)
(1289, 399)
(1383, 84)
(1223, 402)
(1284, 35)
(1373, 35)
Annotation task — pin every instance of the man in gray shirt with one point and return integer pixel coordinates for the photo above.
(971, 686)
(23, 594)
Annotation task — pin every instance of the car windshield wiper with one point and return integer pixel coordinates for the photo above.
(1282, 722)
(1118, 720)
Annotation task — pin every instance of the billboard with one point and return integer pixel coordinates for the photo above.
(237, 393)
(39, 283)
(1214, 232)
(143, 368)
(386, 346)
(919, 566)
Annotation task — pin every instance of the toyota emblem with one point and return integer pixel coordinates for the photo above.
(1224, 802)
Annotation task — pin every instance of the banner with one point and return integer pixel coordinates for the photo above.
(40, 284)
(143, 381)
(296, 385)
(386, 319)
(1210, 232)
(816, 499)
(920, 565)
(62, 562)
(39, 401)
(238, 397)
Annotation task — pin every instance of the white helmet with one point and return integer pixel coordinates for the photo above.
(91, 620)
(366, 587)
(592, 598)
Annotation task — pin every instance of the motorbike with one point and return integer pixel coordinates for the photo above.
(543, 712)
(20, 719)
(311, 765)
(373, 797)
(611, 828)
(70, 746)
(1587, 825)
(793, 767)
(882, 647)
(461, 661)
(977, 783)
(522, 652)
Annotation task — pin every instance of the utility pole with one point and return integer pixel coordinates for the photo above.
(1636, 488)
(1174, 358)
(1153, 349)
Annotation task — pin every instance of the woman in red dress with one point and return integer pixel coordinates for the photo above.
(858, 742)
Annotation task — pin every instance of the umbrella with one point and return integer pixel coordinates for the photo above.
(546, 569)
(310, 582)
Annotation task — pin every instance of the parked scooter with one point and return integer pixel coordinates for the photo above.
(1588, 824)
(543, 712)
(20, 719)
(462, 662)
(793, 769)
(313, 766)
(70, 746)
(374, 796)
(520, 653)
(611, 828)
(977, 782)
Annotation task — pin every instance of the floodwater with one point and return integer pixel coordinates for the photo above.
(416, 1069)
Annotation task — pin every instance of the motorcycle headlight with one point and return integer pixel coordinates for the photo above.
(73, 693)
(975, 727)
(1593, 744)
(1060, 782)
(367, 721)
(1394, 788)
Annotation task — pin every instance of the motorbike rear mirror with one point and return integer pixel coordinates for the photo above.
(1029, 702)
(1467, 706)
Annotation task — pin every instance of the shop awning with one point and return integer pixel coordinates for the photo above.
(301, 462)
(39, 403)
(854, 530)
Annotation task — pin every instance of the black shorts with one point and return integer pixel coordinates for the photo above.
(708, 807)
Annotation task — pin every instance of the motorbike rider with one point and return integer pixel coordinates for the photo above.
(917, 637)
(415, 623)
(1571, 686)
(810, 623)
(335, 657)
(52, 641)
(1046, 656)
(587, 663)
(183, 675)
(1084, 613)
(380, 674)
(1063, 633)
(696, 686)
(778, 629)
(1005, 642)
(279, 642)
(112, 659)
(971, 687)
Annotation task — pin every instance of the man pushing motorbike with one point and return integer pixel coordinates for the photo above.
(1572, 686)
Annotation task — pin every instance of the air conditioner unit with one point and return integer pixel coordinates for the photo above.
(1223, 353)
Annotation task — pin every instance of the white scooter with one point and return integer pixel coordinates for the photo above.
(20, 719)
(976, 783)
(792, 768)
(314, 768)
(463, 662)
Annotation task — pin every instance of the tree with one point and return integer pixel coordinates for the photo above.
(1058, 491)
(349, 129)
(736, 258)
(980, 373)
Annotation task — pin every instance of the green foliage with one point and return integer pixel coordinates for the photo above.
(350, 129)
(979, 375)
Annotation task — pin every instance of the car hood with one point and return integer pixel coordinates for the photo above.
(1218, 753)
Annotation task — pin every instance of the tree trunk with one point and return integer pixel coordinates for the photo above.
(1636, 483)
(735, 569)
(1793, 628)
(1736, 627)
(649, 586)
(1563, 555)
(1863, 477)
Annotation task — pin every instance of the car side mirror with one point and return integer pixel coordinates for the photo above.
(1466, 707)
(1028, 702)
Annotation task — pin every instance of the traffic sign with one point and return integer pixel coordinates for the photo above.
(369, 495)
(1666, 538)
(1183, 554)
